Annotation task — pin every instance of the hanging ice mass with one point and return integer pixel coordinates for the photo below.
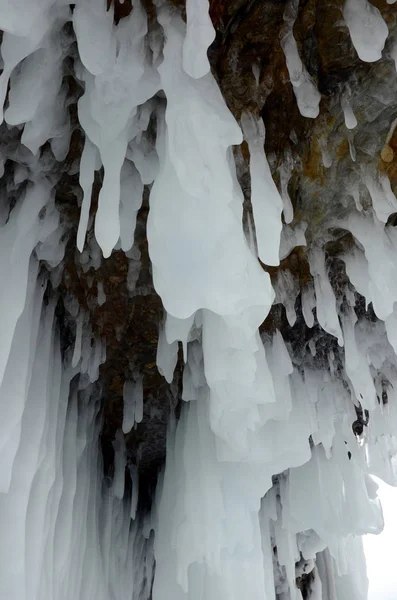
(195, 388)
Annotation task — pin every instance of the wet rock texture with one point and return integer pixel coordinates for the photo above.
(248, 62)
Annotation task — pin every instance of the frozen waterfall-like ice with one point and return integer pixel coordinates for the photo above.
(264, 483)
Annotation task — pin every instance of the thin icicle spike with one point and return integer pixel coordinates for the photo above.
(198, 304)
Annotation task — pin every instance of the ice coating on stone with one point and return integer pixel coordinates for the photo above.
(265, 198)
(368, 30)
(200, 34)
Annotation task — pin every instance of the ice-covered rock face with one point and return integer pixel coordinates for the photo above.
(198, 349)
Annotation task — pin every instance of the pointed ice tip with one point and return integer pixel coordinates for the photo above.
(106, 251)
(80, 243)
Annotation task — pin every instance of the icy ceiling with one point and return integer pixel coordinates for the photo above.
(198, 329)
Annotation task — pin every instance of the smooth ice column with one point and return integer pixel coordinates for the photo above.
(267, 204)
(326, 304)
(368, 31)
(200, 34)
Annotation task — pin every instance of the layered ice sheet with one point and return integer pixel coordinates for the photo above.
(265, 483)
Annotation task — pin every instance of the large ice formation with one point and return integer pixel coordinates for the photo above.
(266, 488)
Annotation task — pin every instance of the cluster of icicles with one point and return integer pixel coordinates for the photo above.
(220, 529)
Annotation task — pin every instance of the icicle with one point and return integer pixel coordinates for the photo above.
(287, 291)
(368, 31)
(200, 34)
(133, 404)
(306, 93)
(88, 165)
(266, 201)
(18, 238)
(119, 465)
(291, 238)
(107, 109)
(356, 366)
(167, 356)
(101, 294)
(308, 304)
(326, 304)
(285, 174)
(130, 203)
(350, 119)
(383, 199)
